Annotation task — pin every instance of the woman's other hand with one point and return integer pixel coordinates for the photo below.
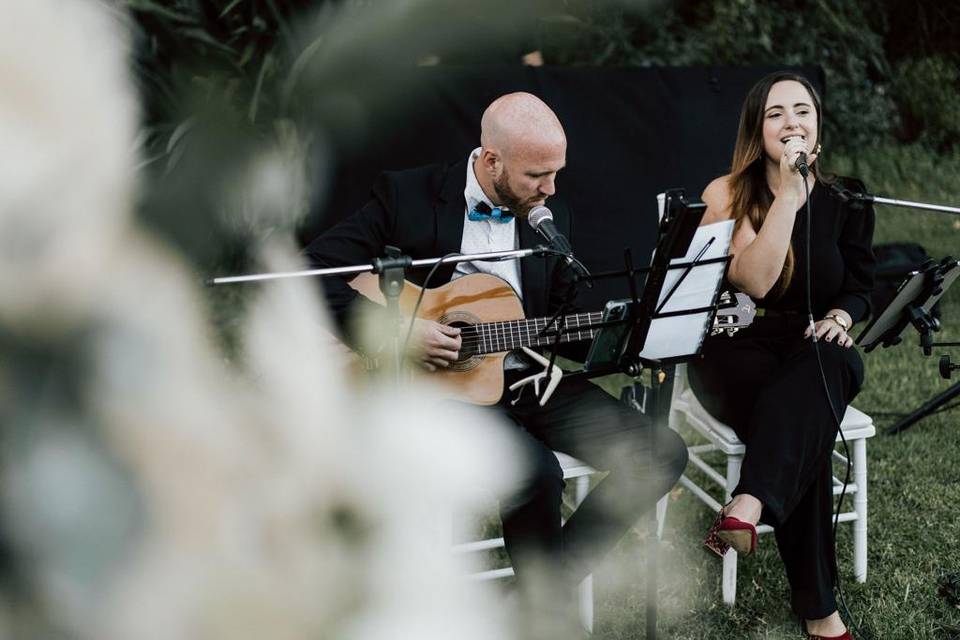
(829, 330)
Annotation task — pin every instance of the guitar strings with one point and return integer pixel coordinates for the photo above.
(508, 328)
(497, 334)
(519, 337)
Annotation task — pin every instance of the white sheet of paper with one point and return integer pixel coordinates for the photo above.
(682, 335)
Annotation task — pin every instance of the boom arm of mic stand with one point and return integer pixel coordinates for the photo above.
(859, 198)
(914, 205)
(539, 250)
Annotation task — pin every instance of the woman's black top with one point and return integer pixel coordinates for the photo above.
(842, 262)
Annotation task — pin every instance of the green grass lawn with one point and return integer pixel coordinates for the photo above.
(914, 478)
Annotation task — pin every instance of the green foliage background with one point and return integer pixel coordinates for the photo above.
(891, 67)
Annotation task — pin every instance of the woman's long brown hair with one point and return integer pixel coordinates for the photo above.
(750, 196)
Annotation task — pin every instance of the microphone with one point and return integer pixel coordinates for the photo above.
(541, 219)
(801, 164)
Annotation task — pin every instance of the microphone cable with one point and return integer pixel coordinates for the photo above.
(838, 420)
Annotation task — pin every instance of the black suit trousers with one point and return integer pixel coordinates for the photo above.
(765, 383)
(643, 463)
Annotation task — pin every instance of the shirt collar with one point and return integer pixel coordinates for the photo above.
(473, 193)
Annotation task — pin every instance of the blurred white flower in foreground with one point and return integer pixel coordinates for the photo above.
(272, 191)
(286, 503)
(150, 490)
(67, 125)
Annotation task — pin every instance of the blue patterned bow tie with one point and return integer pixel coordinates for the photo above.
(483, 212)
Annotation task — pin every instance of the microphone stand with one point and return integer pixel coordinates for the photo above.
(392, 270)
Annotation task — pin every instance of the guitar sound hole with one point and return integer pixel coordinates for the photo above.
(468, 358)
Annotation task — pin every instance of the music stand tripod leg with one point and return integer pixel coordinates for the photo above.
(928, 407)
(661, 388)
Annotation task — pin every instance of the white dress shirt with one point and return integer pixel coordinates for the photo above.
(487, 235)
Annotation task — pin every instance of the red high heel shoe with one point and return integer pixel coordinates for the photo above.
(729, 532)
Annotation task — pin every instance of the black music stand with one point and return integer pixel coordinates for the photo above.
(678, 227)
(677, 255)
(622, 344)
(911, 306)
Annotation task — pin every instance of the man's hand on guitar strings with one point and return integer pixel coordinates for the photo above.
(435, 345)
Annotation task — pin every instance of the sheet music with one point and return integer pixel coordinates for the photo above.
(683, 335)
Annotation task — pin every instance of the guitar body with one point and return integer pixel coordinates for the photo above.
(492, 315)
(473, 299)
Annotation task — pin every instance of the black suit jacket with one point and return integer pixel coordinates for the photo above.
(421, 212)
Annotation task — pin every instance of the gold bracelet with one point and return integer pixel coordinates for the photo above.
(839, 319)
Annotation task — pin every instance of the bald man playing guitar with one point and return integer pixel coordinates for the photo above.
(476, 205)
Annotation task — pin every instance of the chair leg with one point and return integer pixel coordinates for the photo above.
(729, 580)
(662, 505)
(585, 589)
(586, 603)
(733, 475)
(860, 507)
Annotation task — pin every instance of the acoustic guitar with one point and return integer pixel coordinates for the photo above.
(490, 317)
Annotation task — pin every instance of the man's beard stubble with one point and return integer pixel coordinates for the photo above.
(508, 198)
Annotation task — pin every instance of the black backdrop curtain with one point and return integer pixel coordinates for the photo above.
(631, 133)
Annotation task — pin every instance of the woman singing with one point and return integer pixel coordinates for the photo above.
(765, 381)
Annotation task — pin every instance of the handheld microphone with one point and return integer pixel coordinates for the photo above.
(541, 219)
(801, 164)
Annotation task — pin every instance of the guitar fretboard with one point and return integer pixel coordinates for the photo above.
(495, 337)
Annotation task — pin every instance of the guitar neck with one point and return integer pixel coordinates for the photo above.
(495, 337)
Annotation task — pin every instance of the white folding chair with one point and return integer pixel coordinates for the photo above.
(573, 469)
(686, 409)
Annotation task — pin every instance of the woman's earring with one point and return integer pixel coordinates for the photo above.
(817, 150)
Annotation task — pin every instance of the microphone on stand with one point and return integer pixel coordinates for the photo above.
(541, 219)
(801, 164)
